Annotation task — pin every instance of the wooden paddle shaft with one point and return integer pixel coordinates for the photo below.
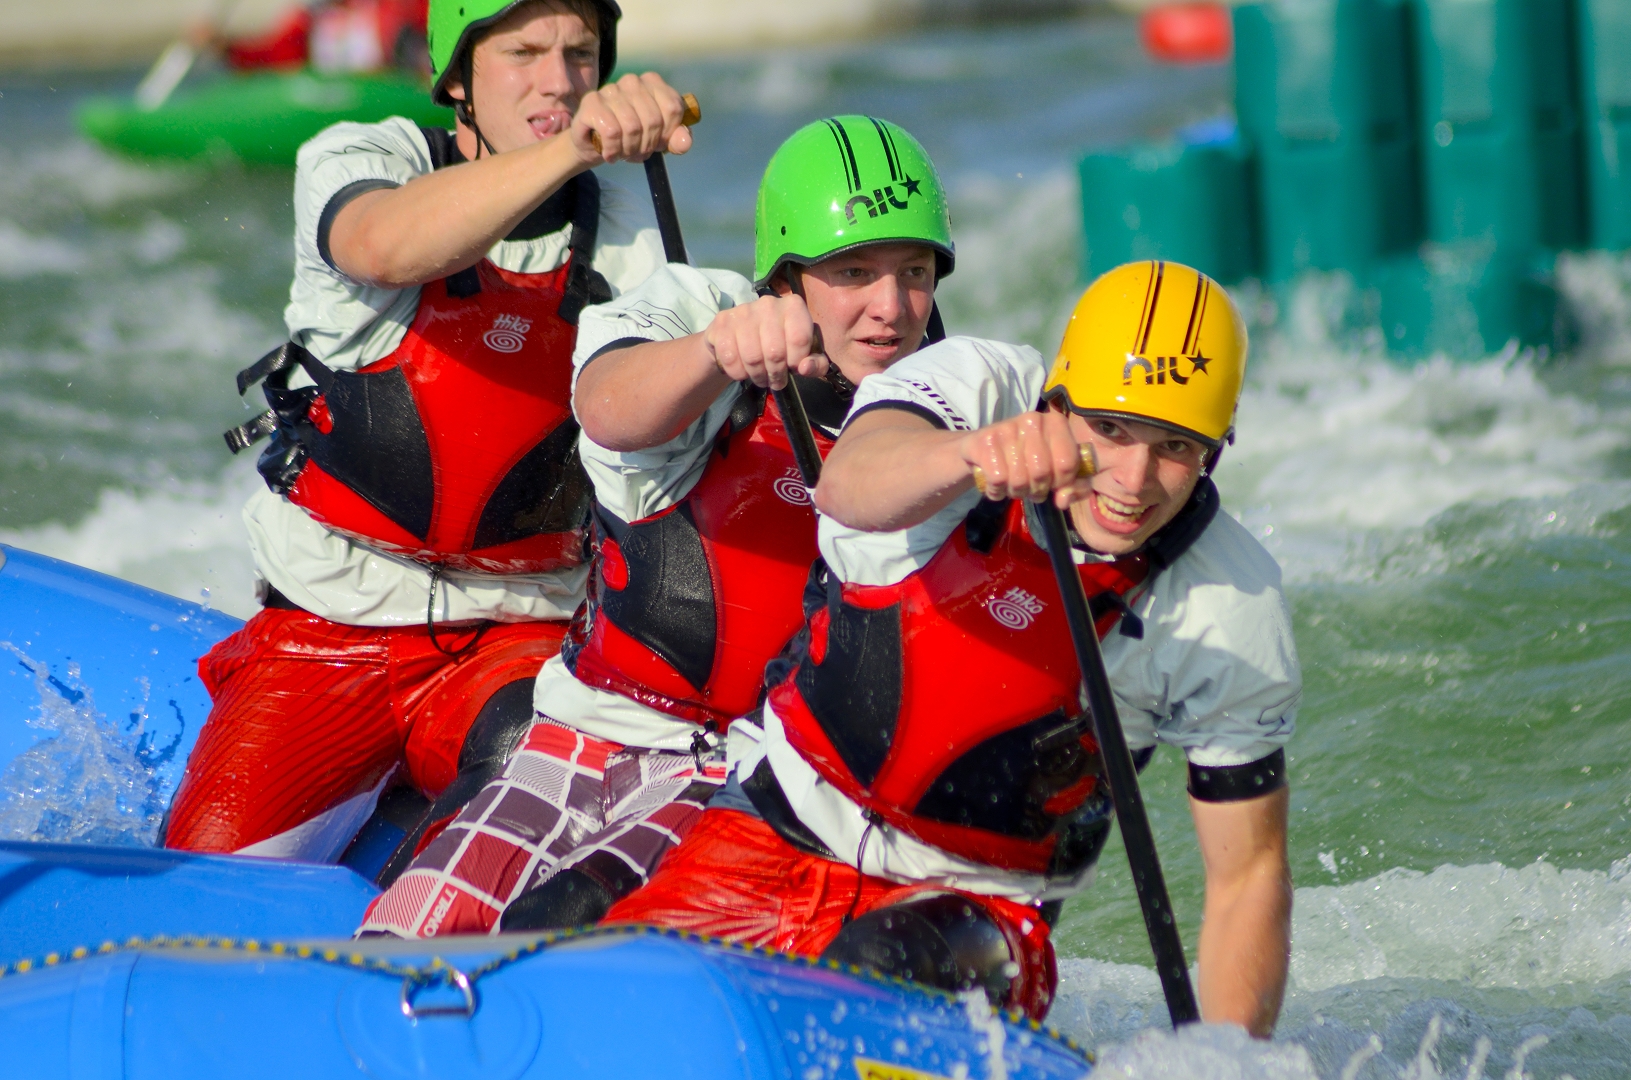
(1089, 466)
(690, 118)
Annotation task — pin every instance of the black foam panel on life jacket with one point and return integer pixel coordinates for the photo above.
(855, 692)
(1002, 784)
(547, 491)
(1083, 834)
(378, 447)
(668, 604)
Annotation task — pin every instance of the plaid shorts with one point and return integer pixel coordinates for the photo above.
(565, 799)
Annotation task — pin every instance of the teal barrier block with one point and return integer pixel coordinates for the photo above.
(1605, 87)
(1468, 300)
(1188, 203)
(1500, 128)
(1323, 94)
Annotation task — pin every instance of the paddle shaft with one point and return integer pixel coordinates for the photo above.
(1119, 770)
(799, 433)
(788, 401)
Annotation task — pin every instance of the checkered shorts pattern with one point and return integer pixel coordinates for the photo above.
(564, 800)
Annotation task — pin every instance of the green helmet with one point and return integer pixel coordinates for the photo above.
(452, 24)
(843, 183)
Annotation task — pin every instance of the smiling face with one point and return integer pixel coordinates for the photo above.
(1146, 475)
(872, 304)
(531, 71)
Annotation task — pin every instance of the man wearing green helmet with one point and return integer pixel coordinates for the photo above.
(420, 542)
(704, 531)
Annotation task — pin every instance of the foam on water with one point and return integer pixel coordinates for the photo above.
(187, 540)
(1341, 450)
(86, 780)
(77, 174)
(1462, 957)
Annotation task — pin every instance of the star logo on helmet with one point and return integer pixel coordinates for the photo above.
(1200, 363)
(912, 187)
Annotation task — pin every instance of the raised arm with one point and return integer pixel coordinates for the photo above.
(893, 468)
(644, 395)
(1245, 947)
(446, 220)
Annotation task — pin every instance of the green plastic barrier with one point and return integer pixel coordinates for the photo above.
(1500, 128)
(1605, 85)
(1185, 202)
(1322, 94)
(1468, 300)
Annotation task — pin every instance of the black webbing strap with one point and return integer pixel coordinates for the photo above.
(584, 285)
(273, 369)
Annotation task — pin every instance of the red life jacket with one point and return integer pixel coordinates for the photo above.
(949, 704)
(688, 605)
(458, 448)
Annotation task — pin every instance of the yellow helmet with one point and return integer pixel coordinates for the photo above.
(1157, 342)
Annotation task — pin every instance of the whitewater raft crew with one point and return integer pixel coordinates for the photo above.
(420, 542)
(857, 734)
(704, 532)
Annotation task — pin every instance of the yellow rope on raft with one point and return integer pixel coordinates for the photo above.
(438, 970)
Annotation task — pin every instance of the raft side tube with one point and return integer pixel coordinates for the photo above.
(624, 1002)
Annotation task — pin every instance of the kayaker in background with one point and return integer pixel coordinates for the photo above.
(704, 531)
(919, 793)
(333, 37)
(421, 539)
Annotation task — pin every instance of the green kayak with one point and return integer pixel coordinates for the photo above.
(261, 117)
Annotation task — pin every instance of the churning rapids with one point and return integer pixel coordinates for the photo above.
(1456, 540)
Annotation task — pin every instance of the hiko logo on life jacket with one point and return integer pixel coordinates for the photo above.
(790, 488)
(1015, 609)
(508, 335)
(1158, 369)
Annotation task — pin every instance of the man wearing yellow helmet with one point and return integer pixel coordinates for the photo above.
(419, 543)
(921, 789)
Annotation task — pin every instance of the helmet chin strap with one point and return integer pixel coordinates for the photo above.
(465, 110)
(1212, 458)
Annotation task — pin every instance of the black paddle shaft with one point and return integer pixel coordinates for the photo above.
(788, 401)
(662, 201)
(1122, 776)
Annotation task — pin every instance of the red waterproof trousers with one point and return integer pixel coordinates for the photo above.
(308, 713)
(733, 877)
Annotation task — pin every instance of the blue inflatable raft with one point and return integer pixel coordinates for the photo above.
(119, 960)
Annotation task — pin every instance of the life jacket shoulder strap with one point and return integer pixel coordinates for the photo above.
(584, 284)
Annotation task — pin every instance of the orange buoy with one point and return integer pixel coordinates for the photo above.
(1187, 33)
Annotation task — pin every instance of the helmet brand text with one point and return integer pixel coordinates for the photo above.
(1158, 369)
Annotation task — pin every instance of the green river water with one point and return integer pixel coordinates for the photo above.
(1456, 537)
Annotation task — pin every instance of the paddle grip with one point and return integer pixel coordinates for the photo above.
(1088, 466)
(690, 117)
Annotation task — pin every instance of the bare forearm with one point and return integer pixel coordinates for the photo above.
(645, 395)
(1244, 951)
(1246, 938)
(445, 221)
(892, 470)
